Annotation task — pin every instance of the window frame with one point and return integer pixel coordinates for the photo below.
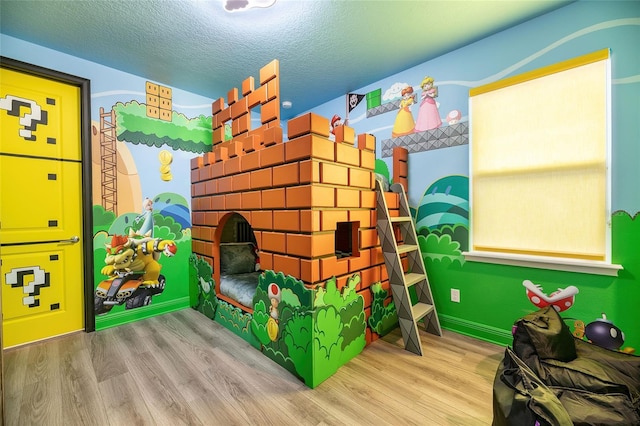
(570, 262)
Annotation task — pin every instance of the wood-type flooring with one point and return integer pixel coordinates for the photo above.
(182, 368)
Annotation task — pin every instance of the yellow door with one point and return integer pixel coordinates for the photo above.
(41, 241)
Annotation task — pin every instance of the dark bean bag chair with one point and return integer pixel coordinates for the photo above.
(552, 378)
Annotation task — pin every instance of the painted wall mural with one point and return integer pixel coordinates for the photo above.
(142, 216)
(491, 296)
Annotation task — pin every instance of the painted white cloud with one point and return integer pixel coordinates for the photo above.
(394, 92)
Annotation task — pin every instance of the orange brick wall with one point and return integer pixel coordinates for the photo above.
(292, 193)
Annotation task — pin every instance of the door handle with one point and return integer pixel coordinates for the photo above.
(71, 240)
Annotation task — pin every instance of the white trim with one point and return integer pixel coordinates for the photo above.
(553, 263)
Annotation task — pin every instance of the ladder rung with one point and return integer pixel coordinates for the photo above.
(406, 248)
(413, 278)
(394, 219)
(421, 310)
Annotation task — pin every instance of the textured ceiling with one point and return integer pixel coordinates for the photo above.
(325, 48)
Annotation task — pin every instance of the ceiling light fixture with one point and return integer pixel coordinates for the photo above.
(232, 6)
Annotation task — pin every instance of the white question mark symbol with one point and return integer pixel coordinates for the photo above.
(15, 279)
(12, 105)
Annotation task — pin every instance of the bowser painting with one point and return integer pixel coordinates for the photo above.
(133, 269)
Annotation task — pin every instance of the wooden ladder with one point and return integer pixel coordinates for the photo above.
(409, 314)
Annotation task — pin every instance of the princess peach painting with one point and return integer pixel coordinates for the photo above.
(428, 115)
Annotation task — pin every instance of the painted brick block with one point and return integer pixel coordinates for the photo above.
(222, 117)
(370, 276)
(308, 123)
(308, 196)
(377, 258)
(400, 154)
(248, 85)
(286, 175)
(211, 218)
(270, 111)
(368, 199)
(258, 235)
(239, 108)
(216, 202)
(287, 265)
(250, 161)
(266, 260)
(257, 97)
(400, 169)
(208, 158)
(273, 90)
(272, 155)
(232, 96)
(250, 143)
(274, 198)
(215, 170)
(334, 174)
(362, 218)
(309, 171)
(261, 178)
(233, 201)
(241, 125)
(332, 266)
(221, 152)
(195, 175)
(198, 189)
(368, 238)
(235, 148)
(204, 172)
(273, 135)
(251, 200)
(286, 220)
(217, 105)
(241, 182)
(218, 136)
(367, 296)
(360, 178)
(225, 184)
(274, 242)
(309, 146)
(347, 154)
(232, 166)
(345, 134)
(357, 263)
(368, 160)
(313, 245)
(366, 141)
(347, 198)
(269, 71)
(272, 124)
(258, 134)
(196, 162)
(197, 218)
(329, 219)
(310, 270)
(207, 233)
(309, 221)
(262, 219)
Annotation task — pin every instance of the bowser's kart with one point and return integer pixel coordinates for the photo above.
(126, 288)
(133, 266)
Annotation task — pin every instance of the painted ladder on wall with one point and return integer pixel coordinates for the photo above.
(409, 314)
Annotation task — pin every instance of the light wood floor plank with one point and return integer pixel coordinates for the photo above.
(122, 402)
(182, 368)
